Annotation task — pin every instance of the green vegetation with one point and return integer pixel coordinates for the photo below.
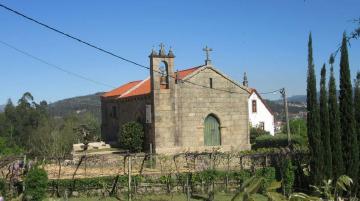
(313, 127)
(279, 140)
(29, 127)
(288, 177)
(357, 105)
(8, 148)
(335, 138)
(325, 125)
(36, 184)
(158, 197)
(256, 132)
(347, 123)
(297, 127)
(89, 104)
(131, 137)
(2, 187)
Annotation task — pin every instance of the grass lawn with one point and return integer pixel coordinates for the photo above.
(173, 197)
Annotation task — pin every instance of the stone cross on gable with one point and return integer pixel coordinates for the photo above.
(207, 51)
(162, 49)
(162, 46)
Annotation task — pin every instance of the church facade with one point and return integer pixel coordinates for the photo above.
(196, 109)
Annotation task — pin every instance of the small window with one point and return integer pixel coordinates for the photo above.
(211, 82)
(254, 106)
(262, 125)
(114, 112)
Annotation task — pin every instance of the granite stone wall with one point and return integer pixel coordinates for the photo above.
(131, 109)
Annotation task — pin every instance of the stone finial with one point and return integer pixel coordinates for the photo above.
(207, 52)
(171, 53)
(153, 52)
(245, 80)
(162, 50)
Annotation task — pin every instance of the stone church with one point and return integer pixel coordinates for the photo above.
(195, 109)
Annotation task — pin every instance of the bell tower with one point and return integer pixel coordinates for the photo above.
(163, 98)
(162, 69)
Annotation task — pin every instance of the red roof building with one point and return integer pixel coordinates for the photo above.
(195, 109)
(141, 87)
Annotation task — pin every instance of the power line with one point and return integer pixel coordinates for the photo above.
(54, 66)
(108, 52)
(72, 37)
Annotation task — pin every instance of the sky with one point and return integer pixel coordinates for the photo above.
(266, 39)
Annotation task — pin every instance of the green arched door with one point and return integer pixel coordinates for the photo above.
(211, 131)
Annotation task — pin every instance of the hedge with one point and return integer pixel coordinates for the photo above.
(279, 140)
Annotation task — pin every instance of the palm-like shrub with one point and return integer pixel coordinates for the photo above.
(327, 191)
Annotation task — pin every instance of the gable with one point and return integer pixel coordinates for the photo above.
(203, 68)
(254, 93)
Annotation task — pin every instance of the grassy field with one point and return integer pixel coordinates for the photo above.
(173, 197)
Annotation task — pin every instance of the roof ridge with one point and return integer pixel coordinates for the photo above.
(134, 87)
(190, 68)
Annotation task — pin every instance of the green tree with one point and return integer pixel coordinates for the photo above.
(349, 137)
(357, 109)
(297, 127)
(36, 184)
(335, 137)
(357, 105)
(324, 125)
(313, 129)
(131, 136)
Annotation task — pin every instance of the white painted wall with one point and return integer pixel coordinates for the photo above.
(262, 114)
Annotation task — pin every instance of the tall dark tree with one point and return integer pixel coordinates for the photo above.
(347, 123)
(335, 137)
(357, 105)
(314, 136)
(324, 125)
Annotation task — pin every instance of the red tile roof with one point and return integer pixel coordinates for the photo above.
(141, 87)
(122, 89)
(184, 73)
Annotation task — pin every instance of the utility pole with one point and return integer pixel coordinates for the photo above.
(283, 93)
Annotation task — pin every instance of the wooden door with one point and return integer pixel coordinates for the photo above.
(212, 131)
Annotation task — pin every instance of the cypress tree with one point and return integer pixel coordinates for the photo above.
(324, 125)
(348, 135)
(316, 148)
(335, 137)
(357, 105)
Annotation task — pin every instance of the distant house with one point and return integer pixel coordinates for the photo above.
(196, 109)
(260, 115)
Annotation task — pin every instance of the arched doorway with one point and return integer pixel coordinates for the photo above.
(212, 131)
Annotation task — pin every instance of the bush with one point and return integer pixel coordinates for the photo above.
(240, 176)
(36, 184)
(268, 173)
(288, 177)
(8, 148)
(279, 140)
(297, 127)
(256, 132)
(131, 137)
